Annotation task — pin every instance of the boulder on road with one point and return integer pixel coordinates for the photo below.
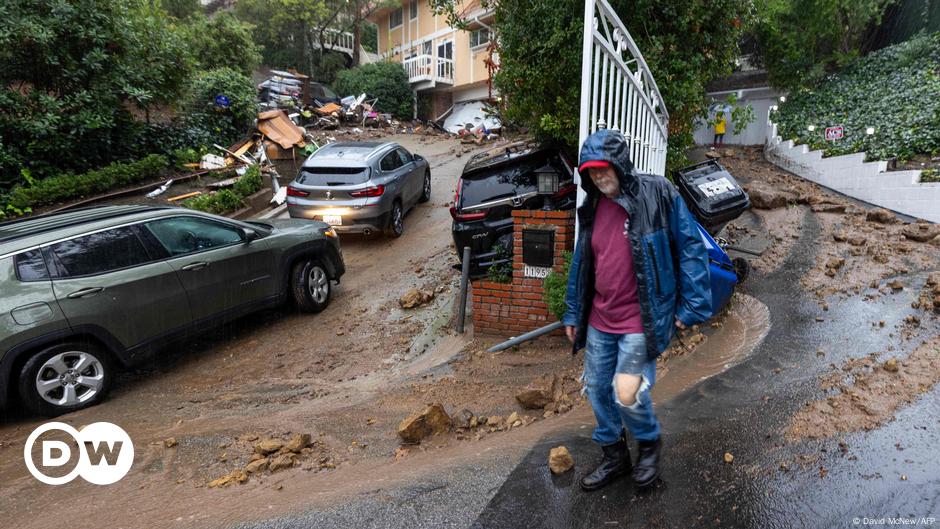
(539, 393)
(881, 216)
(766, 199)
(921, 232)
(432, 421)
(415, 298)
(560, 460)
(268, 446)
(298, 443)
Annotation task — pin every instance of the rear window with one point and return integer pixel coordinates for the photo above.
(30, 266)
(483, 184)
(99, 253)
(332, 176)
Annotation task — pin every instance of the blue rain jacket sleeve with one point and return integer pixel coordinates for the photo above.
(694, 297)
(572, 296)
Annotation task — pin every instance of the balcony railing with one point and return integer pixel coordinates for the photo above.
(429, 68)
(341, 41)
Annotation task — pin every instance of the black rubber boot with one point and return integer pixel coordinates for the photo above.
(615, 463)
(647, 462)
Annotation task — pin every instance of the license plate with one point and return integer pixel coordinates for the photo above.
(333, 220)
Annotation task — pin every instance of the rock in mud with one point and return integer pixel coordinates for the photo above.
(728, 457)
(896, 285)
(881, 216)
(890, 365)
(921, 232)
(236, 476)
(464, 419)
(835, 263)
(282, 461)
(415, 298)
(539, 393)
(560, 460)
(432, 421)
(268, 446)
(298, 442)
(170, 442)
(764, 199)
(256, 466)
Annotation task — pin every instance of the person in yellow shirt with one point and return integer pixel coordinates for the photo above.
(720, 130)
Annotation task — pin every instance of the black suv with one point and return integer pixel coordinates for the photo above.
(495, 183)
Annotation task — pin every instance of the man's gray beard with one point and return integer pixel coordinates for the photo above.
(611, 190)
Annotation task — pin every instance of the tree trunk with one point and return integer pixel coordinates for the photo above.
(357, 35)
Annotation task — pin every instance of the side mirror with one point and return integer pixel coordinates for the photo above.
(418, 157)
(249, 235)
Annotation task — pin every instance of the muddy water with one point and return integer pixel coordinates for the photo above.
(745, 326)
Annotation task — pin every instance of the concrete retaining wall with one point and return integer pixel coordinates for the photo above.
(900, 191)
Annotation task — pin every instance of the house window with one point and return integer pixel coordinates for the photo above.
(413, 9)
(479, 37)
(395, 19)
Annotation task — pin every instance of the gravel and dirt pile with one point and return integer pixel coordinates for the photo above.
(865, 392)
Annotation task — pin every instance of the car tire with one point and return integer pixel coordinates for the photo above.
(65, 377)
(396, 221)
(310, 286)
(426, 190)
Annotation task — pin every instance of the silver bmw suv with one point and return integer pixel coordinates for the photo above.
(360, 187)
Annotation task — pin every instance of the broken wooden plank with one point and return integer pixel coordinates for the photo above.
(183, 197)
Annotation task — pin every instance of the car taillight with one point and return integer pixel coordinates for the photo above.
(294, 192)
(460, 217)
(374, 191)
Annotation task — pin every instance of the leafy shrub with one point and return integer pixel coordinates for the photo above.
(222, 41)
(66, 186)
(895, 90)
(500, 272)
(228, 200)
(554, 287)
(384, 80)
(211, 123)
(930, 175)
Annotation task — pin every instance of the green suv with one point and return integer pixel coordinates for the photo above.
(85, 291)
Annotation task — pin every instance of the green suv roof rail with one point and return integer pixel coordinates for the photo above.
(29, 226)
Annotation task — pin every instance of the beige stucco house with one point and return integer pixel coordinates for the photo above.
(445, 66)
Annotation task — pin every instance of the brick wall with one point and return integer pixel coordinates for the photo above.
(511, 309)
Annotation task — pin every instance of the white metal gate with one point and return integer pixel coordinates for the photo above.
(618, 91)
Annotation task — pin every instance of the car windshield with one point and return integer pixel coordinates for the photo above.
(327, 92)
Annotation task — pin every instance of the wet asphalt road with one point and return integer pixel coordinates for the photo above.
(726, 413)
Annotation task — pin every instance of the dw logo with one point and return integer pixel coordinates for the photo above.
(105, 453)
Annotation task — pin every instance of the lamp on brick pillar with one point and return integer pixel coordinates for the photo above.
(547, 178)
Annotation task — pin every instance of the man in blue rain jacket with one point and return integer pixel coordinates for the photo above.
(639, 272)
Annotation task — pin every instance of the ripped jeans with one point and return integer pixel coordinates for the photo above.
(608, 354)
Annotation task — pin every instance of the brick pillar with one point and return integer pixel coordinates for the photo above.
(511, 309)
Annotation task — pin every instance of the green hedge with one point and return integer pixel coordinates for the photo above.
(895, 90)
(228, 200)
(555, 286)
(384, 80)
(47, 191)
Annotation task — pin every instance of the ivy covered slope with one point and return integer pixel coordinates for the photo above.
(895, 90)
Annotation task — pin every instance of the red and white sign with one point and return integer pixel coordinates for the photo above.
(835, 133)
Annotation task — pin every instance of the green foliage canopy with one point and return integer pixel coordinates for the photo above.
(686, 44)
(387, 81)
(800, 41)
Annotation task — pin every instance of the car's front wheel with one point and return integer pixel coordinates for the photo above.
(64, 378)
(310, 286)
